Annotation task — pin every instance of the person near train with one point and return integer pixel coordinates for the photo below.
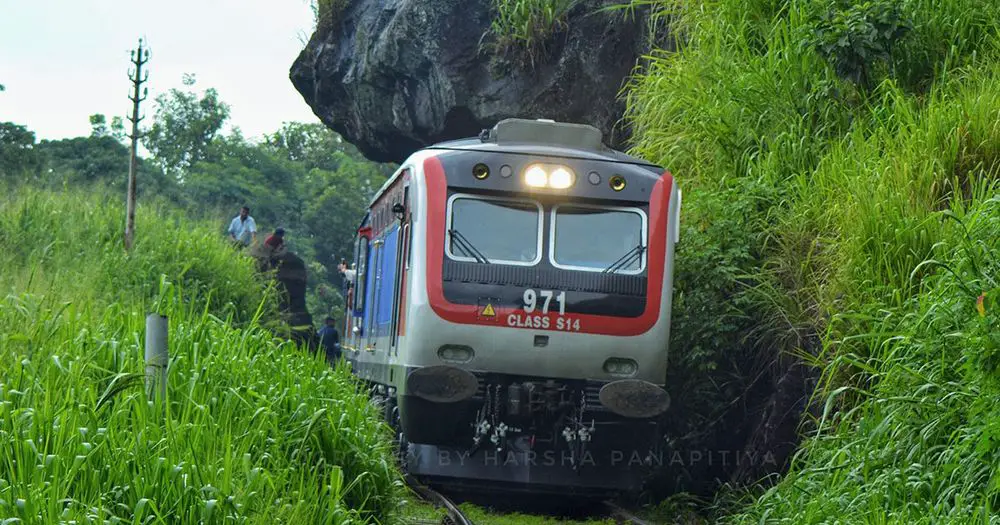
(276, 241)
(243, 229)
(329, 339)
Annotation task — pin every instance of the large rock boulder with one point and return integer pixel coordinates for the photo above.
(392, 76)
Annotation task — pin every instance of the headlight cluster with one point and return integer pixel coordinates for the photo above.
(549, 176)
(553, 176)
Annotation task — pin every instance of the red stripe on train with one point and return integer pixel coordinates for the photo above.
(591, 324)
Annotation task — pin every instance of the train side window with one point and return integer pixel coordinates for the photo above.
(595, 238)
(503, 231)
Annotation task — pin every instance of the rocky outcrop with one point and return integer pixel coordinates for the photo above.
(392, 76)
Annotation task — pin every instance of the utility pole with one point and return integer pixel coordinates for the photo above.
(139, 58)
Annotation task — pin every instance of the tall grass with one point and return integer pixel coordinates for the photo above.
(524, 28)
(909, 360)
(849, 225)
(252, 429)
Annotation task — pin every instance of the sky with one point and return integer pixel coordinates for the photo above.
(64, 60)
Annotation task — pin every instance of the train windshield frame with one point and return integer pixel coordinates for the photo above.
(494, 230)
(594, 238)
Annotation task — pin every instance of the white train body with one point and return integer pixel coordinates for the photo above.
(512, 300)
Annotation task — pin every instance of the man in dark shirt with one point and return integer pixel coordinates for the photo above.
(329, 339)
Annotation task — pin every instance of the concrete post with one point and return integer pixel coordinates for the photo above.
(157, 356)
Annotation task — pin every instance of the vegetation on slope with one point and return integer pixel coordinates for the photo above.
(840, 163)
(252, 430)
(302, 177)
(524, 28)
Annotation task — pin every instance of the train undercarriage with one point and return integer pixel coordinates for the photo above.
(519, 434)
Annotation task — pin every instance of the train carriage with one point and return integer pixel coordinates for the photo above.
(511, 308)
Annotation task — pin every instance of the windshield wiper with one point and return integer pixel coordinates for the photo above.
(467, 246)
(626, 259)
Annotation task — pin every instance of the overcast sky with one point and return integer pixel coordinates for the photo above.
(63, 60)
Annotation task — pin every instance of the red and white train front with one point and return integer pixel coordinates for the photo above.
(526, 341)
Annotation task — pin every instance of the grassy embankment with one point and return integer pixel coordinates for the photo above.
(859, 197)
(840, 165)
(253, 430)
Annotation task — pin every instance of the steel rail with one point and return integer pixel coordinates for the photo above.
(454, 516)
(621, 515)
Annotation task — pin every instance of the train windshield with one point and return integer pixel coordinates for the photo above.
(598, 239)
(495, 231)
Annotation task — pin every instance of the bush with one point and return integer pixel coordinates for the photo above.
(819, 181)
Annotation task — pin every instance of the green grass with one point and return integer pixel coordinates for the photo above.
(525, 27)
(909, 360)
(484, 516)
(851, 225)
(252, 430)
(328, 14)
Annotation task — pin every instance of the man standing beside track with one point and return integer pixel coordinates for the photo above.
(243, 229)
(329, 339)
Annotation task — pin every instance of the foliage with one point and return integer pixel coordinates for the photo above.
(251, 431)
(99, 160)
(184, 128)
(818, 225)
(854, 37)
(524, 27)
(328, 13)
(17, 151)
(303, 177)
(99, 127)
(910, 350)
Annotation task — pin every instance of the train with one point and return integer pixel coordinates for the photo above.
(510, 310)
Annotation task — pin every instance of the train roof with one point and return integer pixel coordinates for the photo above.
(542, 137)
(536, 137)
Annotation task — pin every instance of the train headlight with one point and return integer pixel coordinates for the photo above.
(549, 176)
(536, 177)
(560, 178)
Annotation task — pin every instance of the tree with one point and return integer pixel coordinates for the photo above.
(17, 150)
(118, 128)
(316, 146)
(98, 125)
(85, 160)
(100, 161)
(335, 202)
(184, 129)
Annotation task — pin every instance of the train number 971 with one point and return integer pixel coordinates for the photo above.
(539, 303)
(531, 300)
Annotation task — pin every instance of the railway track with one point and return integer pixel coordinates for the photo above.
(454, 516)
(623, 516)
